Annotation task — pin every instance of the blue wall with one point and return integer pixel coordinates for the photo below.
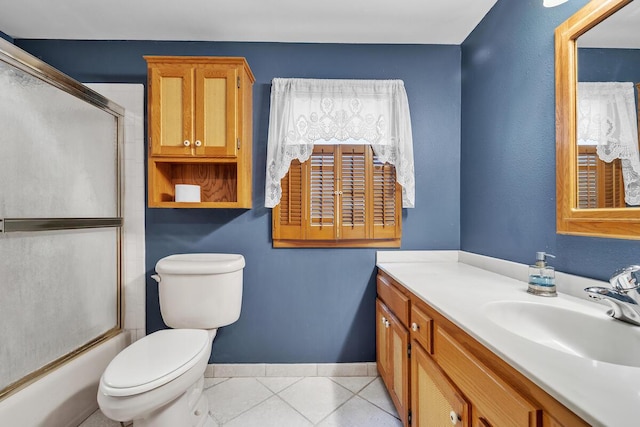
(300, 305)
(508, 144)
(608, 65)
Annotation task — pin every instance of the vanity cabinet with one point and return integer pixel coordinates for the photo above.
(392, 345)
(454, 380)
(200, 129)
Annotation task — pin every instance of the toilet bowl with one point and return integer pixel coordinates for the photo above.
(158, 380)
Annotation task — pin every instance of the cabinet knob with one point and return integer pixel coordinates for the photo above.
(454, 417)
(198, 143)
(415, 327)
(187, 143)
(386, 323)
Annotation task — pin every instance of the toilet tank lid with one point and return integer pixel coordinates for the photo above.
(200, 264)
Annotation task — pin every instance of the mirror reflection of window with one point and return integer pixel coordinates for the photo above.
(608, 159)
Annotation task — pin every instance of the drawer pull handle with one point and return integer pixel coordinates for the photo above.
(415, 327)
(187, 143)
(454, 417)
(198, 143)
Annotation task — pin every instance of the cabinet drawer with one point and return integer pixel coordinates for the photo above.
(397, 302)
(422, 328)
(499, 403)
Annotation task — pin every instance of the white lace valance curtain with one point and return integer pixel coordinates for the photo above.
(308, 111)
(607, 117)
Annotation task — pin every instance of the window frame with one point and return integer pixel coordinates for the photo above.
(300, 233)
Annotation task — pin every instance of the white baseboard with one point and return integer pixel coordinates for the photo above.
(224, 370)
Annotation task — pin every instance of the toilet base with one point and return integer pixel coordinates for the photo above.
(190, 409)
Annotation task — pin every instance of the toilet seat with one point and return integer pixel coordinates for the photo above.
(154, 361)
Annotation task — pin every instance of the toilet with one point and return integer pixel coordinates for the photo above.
(158, 380)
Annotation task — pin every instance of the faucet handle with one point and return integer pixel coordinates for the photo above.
(626, 279)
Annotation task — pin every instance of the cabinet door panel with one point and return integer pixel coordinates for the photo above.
(382, 343)
(171, 111)
(399, 390)
(498, 402)
(392, 358)
(216, 111)
(433, 397)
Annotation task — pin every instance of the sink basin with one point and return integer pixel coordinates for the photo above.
(585, 332)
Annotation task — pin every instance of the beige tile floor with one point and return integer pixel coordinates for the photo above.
(293, 402)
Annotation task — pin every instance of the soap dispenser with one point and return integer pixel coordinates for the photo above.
(542, 277)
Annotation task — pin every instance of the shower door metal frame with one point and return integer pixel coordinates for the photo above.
(16, 57)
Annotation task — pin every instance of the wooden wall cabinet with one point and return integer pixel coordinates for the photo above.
(200, 130)
(452, 379)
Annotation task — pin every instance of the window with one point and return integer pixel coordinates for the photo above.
(343, 196)
(339, 162)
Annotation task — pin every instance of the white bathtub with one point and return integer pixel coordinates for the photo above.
(67, 395)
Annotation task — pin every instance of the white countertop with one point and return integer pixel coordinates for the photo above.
(601, 393)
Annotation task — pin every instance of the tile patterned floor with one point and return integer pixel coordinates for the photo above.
(293, 402)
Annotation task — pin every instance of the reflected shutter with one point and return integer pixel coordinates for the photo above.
(587, 178)
(600, 184)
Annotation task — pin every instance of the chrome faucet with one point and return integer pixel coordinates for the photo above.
(623, 296)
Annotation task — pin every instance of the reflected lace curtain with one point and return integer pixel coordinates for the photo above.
(308, 111)
(607, 118)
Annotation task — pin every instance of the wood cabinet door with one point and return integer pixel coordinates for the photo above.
(382, 342)
(435, 401)
(399, 364)
(171, 110)
(392, 341)
(216, 111)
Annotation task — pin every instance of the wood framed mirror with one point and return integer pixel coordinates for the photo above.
(573, 216)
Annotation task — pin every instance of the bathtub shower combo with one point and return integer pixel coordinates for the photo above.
(60, 234)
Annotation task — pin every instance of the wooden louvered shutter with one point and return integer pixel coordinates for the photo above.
(289, 216)
(587, 178)
(341, 197)
(322, 193)
(353, 195)
(386, 201)
(600, 184)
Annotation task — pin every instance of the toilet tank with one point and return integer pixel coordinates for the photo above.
(200, 291)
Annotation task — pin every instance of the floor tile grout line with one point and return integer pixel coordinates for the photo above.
(290, 385)
(378, 406)
(332, 412)
(291, 406)
(221, 424)
(354, 392)
(247, 410)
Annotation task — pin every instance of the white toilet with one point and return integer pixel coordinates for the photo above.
(158, 380)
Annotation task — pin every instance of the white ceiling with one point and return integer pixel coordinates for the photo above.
(620, 30)
(326, 21)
